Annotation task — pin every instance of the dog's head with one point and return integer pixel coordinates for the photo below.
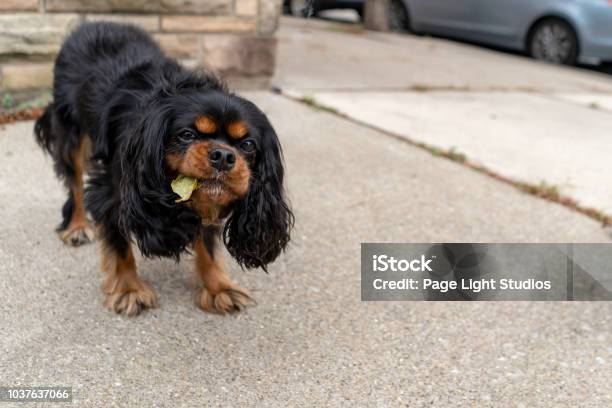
(229, 146)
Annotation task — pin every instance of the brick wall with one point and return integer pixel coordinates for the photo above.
(233, 37)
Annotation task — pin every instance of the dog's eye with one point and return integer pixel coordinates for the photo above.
(187, 134)
(247, 146)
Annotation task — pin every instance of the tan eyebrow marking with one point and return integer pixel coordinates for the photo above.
(237, 129)
(206, 124)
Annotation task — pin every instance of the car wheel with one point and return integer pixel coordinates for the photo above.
(555, 41)
(298, 8)
(398, 18)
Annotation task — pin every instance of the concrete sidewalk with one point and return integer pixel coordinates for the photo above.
(310, 341)
(529, 121)
(317, 55)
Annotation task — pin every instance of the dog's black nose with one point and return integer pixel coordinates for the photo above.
(222, 159)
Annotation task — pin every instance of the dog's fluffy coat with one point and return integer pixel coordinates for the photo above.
(116, 91)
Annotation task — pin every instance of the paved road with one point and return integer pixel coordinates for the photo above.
(310, 341)
(529, 121)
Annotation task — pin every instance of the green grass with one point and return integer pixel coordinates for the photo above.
(312, 102)
(8, 102)
(40, 101)
(543, 190)
(451, 154)
(594, 105)
(17, 102)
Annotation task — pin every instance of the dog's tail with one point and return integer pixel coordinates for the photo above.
(43, 131)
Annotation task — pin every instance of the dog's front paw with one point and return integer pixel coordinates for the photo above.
(227, 300)
(77, 235)
(129, 301)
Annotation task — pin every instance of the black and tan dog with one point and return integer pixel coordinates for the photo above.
(135, 120)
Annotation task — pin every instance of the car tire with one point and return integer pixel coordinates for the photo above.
(553, 40)
(398, 18)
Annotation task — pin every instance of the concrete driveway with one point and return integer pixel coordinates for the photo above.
(526, 120)
(310, 341)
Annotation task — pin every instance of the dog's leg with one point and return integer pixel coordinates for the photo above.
(218, 294)
(76, 230)
(125, 292)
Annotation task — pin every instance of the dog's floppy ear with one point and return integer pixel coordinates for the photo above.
(106, 126)
(258, 228)
(148, 210)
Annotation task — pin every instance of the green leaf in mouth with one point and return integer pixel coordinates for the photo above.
(184, 186)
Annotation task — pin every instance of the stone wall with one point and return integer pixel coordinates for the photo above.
(235, 38)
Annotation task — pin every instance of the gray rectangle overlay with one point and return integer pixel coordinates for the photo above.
(477, 271)
(35, 394)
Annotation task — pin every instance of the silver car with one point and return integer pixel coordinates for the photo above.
(559, 31)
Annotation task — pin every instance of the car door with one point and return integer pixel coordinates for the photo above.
(439, 16)
(499, 22)
(446, 17)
